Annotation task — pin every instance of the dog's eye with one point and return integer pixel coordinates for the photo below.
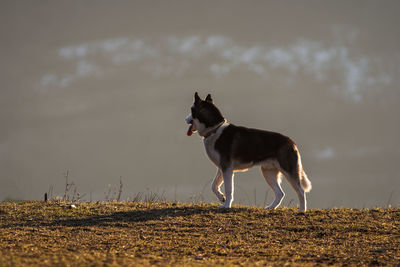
(194, 112)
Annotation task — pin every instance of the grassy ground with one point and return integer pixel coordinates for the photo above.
(165, 234)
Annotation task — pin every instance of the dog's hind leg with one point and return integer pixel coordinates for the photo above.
(290, 165)
(294, 180)
(216, 185)
(227, 175)
(272, 176)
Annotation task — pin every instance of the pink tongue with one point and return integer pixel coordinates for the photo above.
(189, 132)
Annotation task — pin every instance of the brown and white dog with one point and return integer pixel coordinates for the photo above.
(234, 148)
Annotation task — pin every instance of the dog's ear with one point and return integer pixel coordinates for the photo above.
(197, 98)
(209, 99)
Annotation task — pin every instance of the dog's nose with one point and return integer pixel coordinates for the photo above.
(189, 119)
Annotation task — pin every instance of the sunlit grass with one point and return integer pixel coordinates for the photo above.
(147, 233)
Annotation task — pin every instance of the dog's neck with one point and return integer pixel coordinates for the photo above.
(214, 129)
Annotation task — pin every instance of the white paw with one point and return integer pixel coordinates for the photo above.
(225, 206)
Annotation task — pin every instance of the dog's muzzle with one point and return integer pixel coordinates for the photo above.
(189, 120)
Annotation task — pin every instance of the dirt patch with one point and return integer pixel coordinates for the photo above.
(203, 234)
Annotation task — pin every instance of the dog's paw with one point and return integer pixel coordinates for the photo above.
(225, 206)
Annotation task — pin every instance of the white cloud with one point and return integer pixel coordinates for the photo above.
(366, 151)
(113, 45)
(83, 69)
(278, 57)
(48, 79)
(174, 55)
(356, 75)
(217, 42)
(328, 153)
(250, 55)
(325, 154)
(302, 50)
(72, 52)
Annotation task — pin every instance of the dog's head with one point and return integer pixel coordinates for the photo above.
(204, 116)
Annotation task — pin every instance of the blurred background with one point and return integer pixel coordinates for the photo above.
(100, 89)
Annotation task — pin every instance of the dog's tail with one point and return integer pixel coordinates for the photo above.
(290, 161)
(304, 181)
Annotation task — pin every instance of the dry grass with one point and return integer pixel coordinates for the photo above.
(37, 233)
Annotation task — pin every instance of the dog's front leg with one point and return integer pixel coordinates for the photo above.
(216, 185)
(227, 174)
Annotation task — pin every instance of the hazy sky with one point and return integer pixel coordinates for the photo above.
(101, 89)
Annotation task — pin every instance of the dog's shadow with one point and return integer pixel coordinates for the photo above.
(144, 215)
(121, 218)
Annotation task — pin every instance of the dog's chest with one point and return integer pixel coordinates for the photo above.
(209, 145)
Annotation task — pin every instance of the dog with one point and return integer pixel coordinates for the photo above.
(235, 148)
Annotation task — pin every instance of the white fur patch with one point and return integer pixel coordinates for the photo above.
(209, 144)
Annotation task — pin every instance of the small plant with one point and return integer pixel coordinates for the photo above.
(154, 196)
(71, 193)
(136, 198)
(112, 194)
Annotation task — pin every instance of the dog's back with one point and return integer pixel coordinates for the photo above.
(250, 145)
